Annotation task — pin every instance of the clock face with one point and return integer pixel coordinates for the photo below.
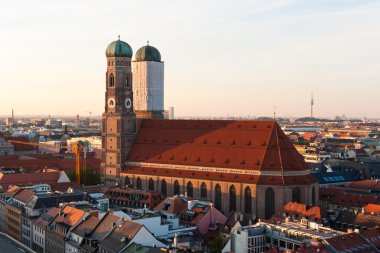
(128, 103)
(111, 103)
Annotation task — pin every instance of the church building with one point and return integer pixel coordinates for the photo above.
(240, 165)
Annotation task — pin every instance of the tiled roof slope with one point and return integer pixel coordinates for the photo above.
(23, 195)
(121, 236)
(69, 216)
(247, 145)
(252, 145)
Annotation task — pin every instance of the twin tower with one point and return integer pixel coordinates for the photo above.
(134, 90)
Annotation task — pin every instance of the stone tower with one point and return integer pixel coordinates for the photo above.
(118, 119)
(148, 83)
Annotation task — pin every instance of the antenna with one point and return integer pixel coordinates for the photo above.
(89, 118)
(311, 104)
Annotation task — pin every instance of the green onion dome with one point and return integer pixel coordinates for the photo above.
(119, 48)
(148, 53)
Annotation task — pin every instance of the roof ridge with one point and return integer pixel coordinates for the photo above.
(279, 151)
(266, 149)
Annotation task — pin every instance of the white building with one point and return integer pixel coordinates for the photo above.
(148, 83)
(160, 227)
(6, 148)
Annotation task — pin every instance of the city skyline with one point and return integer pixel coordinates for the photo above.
(221, 60)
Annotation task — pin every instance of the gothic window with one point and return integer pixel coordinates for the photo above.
(203, 191)
(112, 81)
(218, 197)
(138, 183)
(176, 189)
(296, 195)
(269, 203)
(163, 187)
(247, 200)
(232, 198)
(313, 195)
(190, 189)
(127, 182)
(151, 185)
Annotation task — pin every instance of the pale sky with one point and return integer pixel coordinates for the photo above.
(222, 58)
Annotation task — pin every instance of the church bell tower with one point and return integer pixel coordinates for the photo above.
(118, 119)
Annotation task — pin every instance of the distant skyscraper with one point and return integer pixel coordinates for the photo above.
(148, 83)
(171, 112)
(311, 105)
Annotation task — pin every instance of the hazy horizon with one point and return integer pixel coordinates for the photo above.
(222, 58)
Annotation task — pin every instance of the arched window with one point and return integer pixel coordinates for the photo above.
(218, 197)
(296, 195)
(138, 183)
(190, 189)
(176, 190)
(232, 198)
(163, 187)
(127, 182)
(203, 191)
(313, 195)
(111, 81)
(127, 82)
(151, 185)
(269, 203)
(247, 200)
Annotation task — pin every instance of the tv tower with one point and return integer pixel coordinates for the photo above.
(311, 105)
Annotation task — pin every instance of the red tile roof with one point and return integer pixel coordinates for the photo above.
(348, 242)
(301, 209)
(175, 205)
(372, 209)
(340, 196)
(86, 226)
(372, 235)
(69, 215)
(22, 144)
(49, 177)
(247, 145)
(23, 195)
(41, 163)
(250, 145)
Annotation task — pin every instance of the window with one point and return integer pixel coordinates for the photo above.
(313, 196)
(176, 190)
(190, 189)
(127, 182)
(151, 185)
(296, 195)
(203, 191)
(163, 187)
(247, 200)
(138, 183)
(269, 203)
(218, 197)
(232, 198)
(111, 81)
